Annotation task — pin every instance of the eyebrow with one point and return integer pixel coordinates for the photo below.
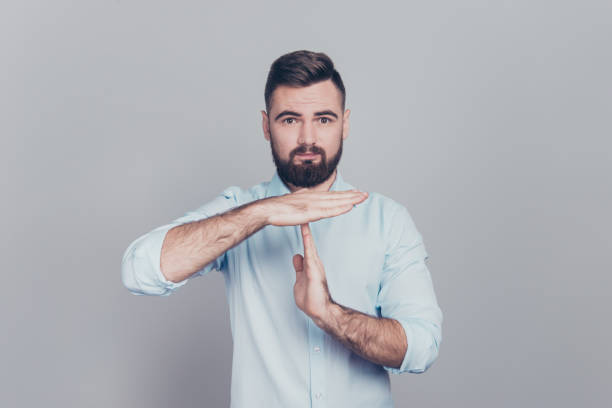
(291, 113)
(326, 112)
(287, 113)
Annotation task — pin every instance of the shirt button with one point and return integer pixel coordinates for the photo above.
(317, 349)
(318, 395)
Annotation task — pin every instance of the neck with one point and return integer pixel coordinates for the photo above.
(324, 186)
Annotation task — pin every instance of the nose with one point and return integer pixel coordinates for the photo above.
(307, 134)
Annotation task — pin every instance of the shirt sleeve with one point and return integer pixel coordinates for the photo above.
(406, 294)
(141, 267)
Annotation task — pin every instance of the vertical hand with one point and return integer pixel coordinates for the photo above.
(310, 289)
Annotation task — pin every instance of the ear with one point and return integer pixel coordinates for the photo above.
(345, 124)
(265, 125)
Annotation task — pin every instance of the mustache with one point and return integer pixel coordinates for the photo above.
(306, 149)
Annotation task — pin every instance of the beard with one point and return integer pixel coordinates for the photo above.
(307, 173)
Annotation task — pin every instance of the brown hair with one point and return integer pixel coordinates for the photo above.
(299, 69)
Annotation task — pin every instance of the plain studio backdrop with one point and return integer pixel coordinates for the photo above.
(490, 121)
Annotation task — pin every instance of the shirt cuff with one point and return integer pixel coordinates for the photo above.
(409, 338)
(422, 348)
(156, 242)
(141, 270)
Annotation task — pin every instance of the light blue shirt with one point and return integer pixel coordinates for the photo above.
(374, 261)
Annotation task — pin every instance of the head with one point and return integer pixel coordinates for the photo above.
(305, 120)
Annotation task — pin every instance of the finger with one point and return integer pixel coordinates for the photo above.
(328, 210)
(309, 248)
(356, 198)
(333, 195)
(332, 204)
(325, 202)
(327, 194)
(298, 263)
(334, 211)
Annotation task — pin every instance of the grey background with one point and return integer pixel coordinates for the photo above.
(489, 120)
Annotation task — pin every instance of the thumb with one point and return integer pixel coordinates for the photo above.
(298, 263)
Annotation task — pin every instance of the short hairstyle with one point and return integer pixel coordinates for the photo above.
(299, 69)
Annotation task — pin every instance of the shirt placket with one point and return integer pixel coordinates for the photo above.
(318, 391)
(318, 394)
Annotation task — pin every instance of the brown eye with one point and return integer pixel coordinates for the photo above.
(324, 120)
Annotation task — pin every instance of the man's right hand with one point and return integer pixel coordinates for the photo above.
(303, 206)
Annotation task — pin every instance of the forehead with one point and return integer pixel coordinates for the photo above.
(316, 97)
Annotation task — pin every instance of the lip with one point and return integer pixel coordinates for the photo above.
(307, 155)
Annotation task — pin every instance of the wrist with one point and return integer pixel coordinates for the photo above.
(328, 317)
(260, 213)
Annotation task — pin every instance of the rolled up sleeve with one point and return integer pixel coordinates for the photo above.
(407, 295)
(141, 263)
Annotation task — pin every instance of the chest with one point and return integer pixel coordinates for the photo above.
(353, 256)
(352, 253)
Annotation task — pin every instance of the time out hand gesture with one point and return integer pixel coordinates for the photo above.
(310, 289)
(303, 206)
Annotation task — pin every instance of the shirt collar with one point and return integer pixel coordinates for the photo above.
(276, 186)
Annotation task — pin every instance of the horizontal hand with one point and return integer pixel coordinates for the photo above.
(304, 206)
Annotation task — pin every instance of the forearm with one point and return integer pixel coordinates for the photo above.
(187, 248)
(377, 339)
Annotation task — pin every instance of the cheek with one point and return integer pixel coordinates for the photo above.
(284, 134)
(332, 139)
(282, 144)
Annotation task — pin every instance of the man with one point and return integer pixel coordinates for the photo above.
(327, 286)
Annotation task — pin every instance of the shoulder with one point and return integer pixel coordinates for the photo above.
(385, 207)
(395, 223)
(240, 195)
(380, 208)
(230, 197)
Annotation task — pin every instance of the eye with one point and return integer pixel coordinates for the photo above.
(289, 121)
(325, 120)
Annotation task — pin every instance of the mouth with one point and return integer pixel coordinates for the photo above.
(307, 156)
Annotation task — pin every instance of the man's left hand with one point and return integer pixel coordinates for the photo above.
(310, 289)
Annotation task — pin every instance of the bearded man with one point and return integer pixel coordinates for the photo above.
(327, 285)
